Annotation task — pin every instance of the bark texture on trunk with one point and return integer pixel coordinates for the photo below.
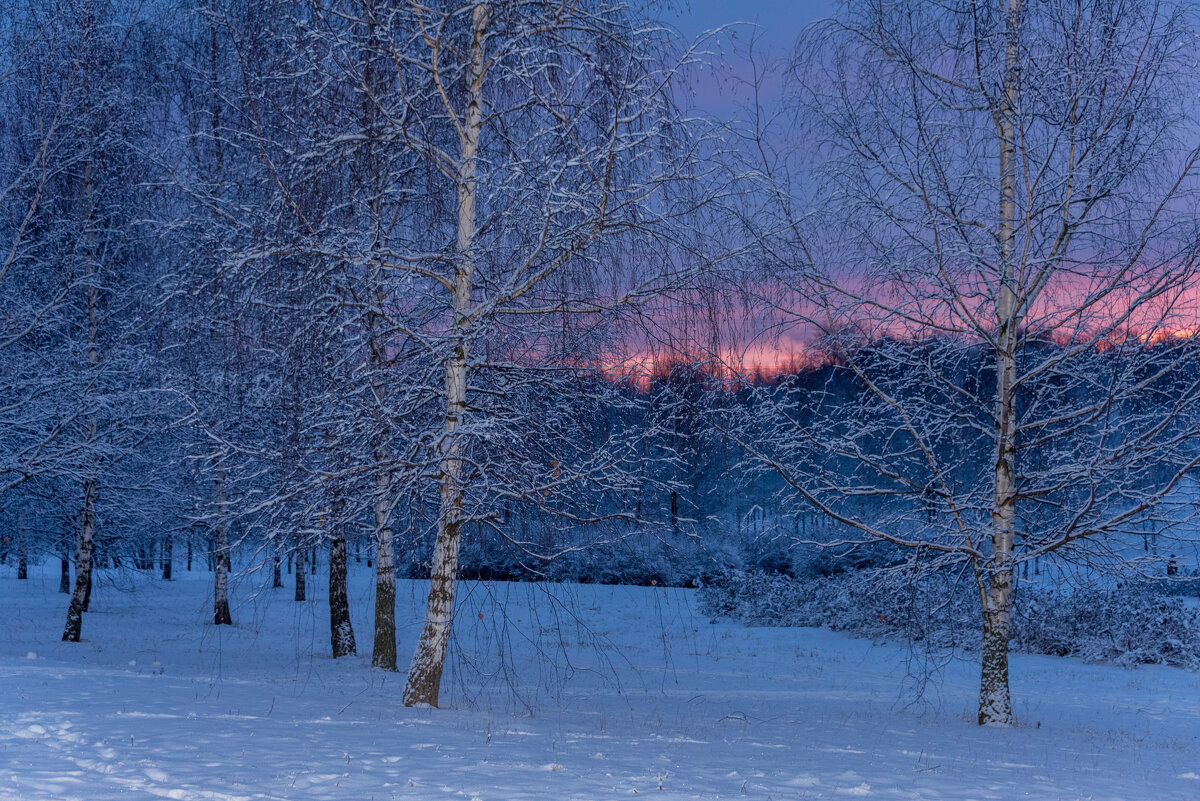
(341, 633)
(424, 683)
(277, 574)
(83, 566)
(221, 616)
(995, 706)
(425, 672)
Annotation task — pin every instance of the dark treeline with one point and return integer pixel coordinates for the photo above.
(698, 501)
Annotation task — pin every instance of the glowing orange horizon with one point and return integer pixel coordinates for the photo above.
(769, 361)
(773, 330)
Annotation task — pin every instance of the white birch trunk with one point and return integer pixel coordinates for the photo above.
(995, 706)
(383, 652)
(82, 595)
(83, 566)
(425, 671)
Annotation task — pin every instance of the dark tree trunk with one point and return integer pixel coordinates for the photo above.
(276, 578)
(300, 586)
(168, 552)
(341, 633)
(64, 576)
(221, 563)
(87, 588)
(22, 562)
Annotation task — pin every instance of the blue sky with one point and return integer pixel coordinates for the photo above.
(773, 24)
(781, 20)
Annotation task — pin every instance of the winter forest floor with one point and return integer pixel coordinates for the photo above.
(603, 692)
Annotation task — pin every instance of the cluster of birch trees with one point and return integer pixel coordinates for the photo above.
(285, 267)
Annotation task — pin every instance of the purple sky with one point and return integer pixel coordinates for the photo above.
(779, 23)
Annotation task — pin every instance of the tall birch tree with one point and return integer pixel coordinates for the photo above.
(1006, 184)
(552, 126)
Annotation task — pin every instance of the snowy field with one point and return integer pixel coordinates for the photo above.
(601, 693)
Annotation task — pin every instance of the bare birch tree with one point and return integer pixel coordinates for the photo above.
(74, 268)
(551, 124)
(1001, 256)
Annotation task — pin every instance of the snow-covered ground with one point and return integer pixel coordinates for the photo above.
(571, 692)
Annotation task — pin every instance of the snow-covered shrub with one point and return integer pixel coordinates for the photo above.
(767, 554)
(1128, 626)
(638, 558)
(626, 561)
(872, 603)
(1186, 584)
(816, 561)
